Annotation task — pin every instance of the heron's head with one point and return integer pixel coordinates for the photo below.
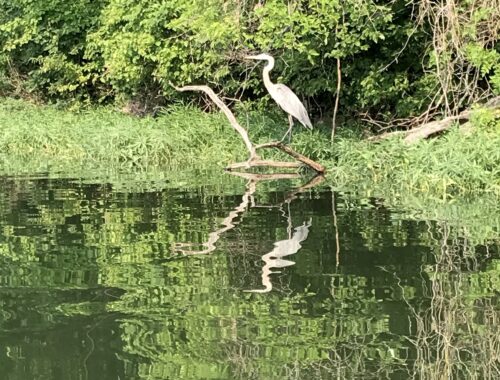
(260, 57)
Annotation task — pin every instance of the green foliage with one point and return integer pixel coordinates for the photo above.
(313, 34)
(45, 41)
(123, 49)
(145, 45)
(487, 61)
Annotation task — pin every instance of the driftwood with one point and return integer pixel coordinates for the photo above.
(230, 116)
(433, 127)
(254, 160)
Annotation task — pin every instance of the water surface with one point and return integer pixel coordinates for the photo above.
(252, 280)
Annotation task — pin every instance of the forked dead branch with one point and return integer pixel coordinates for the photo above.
(254, 159)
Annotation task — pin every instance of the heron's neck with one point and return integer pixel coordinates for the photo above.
(265, 72)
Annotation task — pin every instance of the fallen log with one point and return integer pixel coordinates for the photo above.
(433, 127)
(254, 160)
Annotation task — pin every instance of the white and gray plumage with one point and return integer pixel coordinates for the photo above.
(282, 95)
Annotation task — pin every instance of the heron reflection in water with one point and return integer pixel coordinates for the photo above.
(282, 248)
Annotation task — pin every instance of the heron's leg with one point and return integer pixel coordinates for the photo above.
(289, 132)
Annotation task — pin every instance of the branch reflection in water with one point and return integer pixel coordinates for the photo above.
(247, 200)
(228, 224)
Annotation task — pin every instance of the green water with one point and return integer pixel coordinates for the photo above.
(220, 278)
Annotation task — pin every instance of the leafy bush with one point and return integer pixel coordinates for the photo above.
(44, 41)
(132, 50)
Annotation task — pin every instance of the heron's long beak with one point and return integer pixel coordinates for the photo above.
(251, 57)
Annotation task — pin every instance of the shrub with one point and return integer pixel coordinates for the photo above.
(398, 59)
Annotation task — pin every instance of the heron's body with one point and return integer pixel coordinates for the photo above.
(286, 98)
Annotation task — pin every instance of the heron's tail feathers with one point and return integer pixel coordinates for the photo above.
(306, 122)
(303, 118)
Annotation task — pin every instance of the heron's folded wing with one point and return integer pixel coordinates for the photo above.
(290, 103)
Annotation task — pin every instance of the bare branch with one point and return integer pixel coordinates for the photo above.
(254, 159)
(230, 116)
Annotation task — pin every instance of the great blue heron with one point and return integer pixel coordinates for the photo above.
(285, 97)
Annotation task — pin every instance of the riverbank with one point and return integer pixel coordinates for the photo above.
(460, 163)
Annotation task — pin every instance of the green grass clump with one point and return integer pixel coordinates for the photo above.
(102, 136)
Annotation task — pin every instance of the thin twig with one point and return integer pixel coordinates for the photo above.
(337, 240)
(335, 109)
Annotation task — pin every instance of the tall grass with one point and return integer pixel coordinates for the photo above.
(457, 163)
(453, 164)
(101, 136)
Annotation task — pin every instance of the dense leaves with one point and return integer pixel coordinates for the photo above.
(110, 50)
(44, 42)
